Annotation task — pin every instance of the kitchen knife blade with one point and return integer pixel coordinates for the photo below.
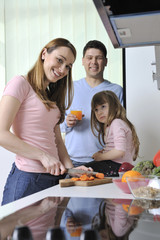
(73, 172)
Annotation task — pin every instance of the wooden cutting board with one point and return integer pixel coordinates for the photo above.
(70, 182)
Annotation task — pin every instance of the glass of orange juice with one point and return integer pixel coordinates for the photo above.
(77, 113)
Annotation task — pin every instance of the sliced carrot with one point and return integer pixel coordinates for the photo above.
(100, 175)
(75, 179)
(84, 177)
(91, 178)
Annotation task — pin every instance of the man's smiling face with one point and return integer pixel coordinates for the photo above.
(94, 63)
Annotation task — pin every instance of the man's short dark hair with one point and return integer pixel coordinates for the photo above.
(95, 44)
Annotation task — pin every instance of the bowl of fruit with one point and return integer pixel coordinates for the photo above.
(147, 168)
(122, 182)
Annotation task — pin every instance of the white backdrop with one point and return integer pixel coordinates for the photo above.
(6, 159)
(26, 26)
(143, 99)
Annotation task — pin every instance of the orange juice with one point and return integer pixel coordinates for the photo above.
(77, 113)
(77, 232)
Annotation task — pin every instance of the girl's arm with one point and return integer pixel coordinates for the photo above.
(9, 107)
(110, 155)
(117, 134)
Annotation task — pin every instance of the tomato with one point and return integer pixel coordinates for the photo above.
(156, 159)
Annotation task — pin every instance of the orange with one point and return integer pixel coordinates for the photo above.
(131, 173)
(133, 210)
(125, 207)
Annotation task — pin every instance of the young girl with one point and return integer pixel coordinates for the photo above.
(108, 118)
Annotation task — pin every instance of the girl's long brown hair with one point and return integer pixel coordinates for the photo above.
(56, 92)
(116, 110)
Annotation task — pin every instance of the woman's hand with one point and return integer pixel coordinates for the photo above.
(84, 168)
(52, 165)
(48, 203)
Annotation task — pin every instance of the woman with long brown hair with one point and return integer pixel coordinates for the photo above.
(34, 106)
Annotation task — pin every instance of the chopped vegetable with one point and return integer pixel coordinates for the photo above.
(75, 179)
(91, 178)
(144, 167)
(85, 177)
(156, 171)
(100, 175)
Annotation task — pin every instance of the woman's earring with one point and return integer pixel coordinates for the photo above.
(43, 54)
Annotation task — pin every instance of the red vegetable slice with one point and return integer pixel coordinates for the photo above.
(156, 159)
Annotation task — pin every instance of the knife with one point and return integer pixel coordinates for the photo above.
(73, 172)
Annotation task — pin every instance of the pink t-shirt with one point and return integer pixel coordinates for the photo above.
(119, 136)
(34, 123)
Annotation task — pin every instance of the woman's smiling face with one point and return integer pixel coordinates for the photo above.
(57, 63)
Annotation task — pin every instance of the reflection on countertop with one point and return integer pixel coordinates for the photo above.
(111, 218)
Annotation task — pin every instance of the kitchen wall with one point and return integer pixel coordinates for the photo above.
(26, 26)
(143, 99)
(6, 159)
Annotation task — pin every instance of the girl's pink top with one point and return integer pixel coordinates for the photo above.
(118, 219)
(34, 123)
(119, 136)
